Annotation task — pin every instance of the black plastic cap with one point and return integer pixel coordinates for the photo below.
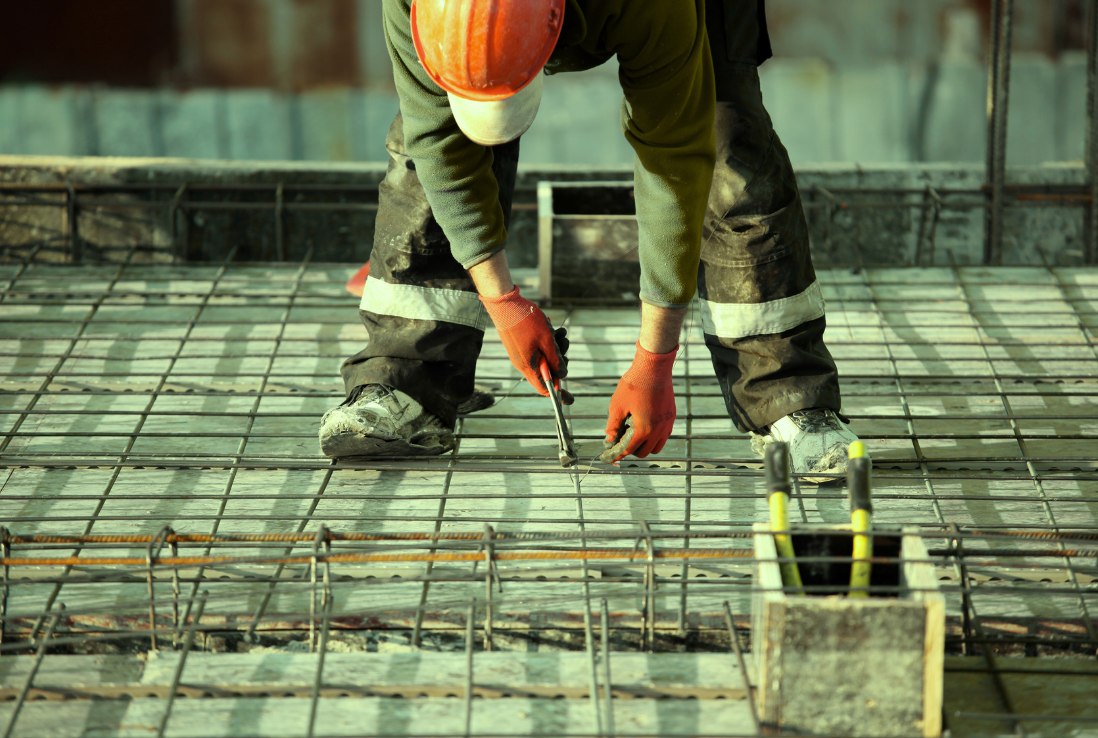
(776, 460)
(859, 484)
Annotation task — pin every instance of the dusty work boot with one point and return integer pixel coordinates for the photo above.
(378, 420)
(818, 442)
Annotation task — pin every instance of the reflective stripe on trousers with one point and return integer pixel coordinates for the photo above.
(735, 320)
(423, 303)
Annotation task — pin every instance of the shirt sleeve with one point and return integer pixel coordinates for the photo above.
(456, 173)
(666, 73)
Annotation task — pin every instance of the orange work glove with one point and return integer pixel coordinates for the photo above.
(528, 336)
(642, 410)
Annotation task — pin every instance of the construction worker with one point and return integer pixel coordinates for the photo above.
(718, 213)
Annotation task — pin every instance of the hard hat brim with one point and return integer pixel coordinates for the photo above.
(495, 122)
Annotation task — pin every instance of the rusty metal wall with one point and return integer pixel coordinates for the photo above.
(295, 45)
(286, 44)
(303, 44)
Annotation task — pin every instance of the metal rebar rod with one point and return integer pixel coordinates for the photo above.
(1038, 484)
(179, 245)
(318, 679)
(688, 481)
(608, 703)
(972, 621)
(489, 571)
(72, 214)
(49, 378)
(5, 572)
(592, 666)
(436, 535)
(245, 436)
(279, 223)
(38, 656)
(585, 574)
(177, 675)
(998, 108)
(734, 637)
(1050, 532)
(1090, 255)
(151, 553)
(249, 635)
(470, 647)
(607, 554)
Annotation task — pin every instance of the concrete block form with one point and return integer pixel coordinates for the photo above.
(587, 240)
(833, 665)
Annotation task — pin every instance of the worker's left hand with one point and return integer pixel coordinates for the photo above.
(643, 403)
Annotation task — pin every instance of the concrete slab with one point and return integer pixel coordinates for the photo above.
(191, 397)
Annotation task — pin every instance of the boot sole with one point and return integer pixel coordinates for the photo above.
(482, 399)
(351, 445)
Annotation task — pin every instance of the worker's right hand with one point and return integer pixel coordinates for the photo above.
(528, 337)
(646, 398)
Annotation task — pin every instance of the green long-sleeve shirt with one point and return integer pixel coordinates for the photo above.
(667, 113)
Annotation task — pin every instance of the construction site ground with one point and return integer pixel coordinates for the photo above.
(200, 569)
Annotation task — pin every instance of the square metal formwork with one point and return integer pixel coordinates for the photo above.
(163, 501)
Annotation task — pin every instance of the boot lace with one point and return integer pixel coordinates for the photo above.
(369, 391)
(816, 420)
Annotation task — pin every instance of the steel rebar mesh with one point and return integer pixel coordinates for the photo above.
(160, 457)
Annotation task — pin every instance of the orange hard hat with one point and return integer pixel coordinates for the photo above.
(485, 50)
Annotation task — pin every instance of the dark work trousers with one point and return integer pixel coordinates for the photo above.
(761, 307)
(424, 322)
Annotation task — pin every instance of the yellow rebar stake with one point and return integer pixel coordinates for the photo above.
(858, 485)
(779, 484)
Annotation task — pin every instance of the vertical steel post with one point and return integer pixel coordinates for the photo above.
(998, 109)
(179, 246)
(279, 222)
(1090, 249)
(72, 213)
